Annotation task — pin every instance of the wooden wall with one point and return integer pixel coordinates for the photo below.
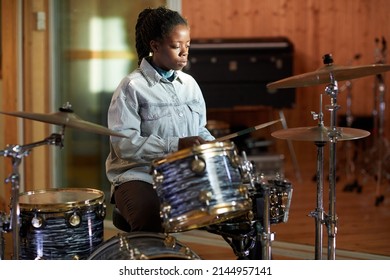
(342, 28)
(32, 66)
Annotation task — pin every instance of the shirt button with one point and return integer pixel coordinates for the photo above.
(180, 114)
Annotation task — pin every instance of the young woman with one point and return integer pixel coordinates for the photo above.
(160, 109)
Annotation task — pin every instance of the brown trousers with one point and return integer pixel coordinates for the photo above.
(139, 204)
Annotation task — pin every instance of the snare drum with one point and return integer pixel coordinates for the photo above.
(143, 246)
(61, 224)
(200, 186)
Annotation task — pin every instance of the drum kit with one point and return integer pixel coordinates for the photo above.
(207, 187)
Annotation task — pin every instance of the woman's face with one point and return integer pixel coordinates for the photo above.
(172, 52)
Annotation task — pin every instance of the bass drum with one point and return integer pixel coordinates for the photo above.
(143, 246)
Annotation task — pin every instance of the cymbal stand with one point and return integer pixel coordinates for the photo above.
(267, 236)
(331, 219)
(318, 213)
(16, 153)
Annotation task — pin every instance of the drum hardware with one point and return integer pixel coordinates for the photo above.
(267, 236)
(66, 118)
(329, 73)
(198, 165)
(242, 240)
(249, 235)
(17, 152)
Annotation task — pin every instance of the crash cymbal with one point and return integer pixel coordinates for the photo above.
(319, 133)
(322, 75)
(66, 118)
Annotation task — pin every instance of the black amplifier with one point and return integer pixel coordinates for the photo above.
(235, 72)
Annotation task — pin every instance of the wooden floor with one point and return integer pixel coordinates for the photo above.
(363, 228)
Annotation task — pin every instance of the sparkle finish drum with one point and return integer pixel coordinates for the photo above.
(61, 224)
(200, 186)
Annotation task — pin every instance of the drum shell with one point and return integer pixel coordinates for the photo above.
(191, 198)
(61, 224)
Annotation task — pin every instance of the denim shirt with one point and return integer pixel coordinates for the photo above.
(153, 113)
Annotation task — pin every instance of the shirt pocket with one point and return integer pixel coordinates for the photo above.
(152, 113)
(196, 112)
(156, 120)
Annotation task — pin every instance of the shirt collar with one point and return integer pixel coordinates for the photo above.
(152, 75)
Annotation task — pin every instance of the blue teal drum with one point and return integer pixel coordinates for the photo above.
(200, 186)
(61, 224)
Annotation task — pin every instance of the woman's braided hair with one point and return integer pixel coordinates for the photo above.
(154, 24)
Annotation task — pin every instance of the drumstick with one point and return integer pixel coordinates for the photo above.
(245, 131)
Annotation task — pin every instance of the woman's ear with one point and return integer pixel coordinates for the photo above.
(154, 45)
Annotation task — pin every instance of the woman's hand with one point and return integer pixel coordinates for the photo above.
(189, 142)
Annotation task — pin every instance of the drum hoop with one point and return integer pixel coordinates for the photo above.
(196, 150)
(163, 237)
(98, 198)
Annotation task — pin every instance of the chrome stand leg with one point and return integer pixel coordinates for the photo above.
(267, 236)
(318, 214)
(332, 90)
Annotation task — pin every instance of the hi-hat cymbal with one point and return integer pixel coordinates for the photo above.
(319, 133)
(322, 75)
(66, 118)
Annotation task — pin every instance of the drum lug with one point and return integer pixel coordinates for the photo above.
(170, 241)
(243, 189)
(273, 199)
(198, 165)
(74, 219)
(250, 215)
(101, 212)
(235, 160)
(37, 221)
(158, 178)
(205, 196)
(164, 213)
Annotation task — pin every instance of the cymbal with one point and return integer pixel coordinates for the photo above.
(66, 118)
(319, 133)
(322, 75)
